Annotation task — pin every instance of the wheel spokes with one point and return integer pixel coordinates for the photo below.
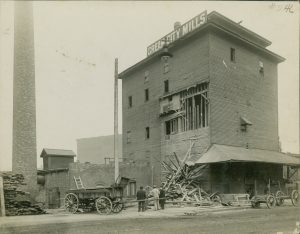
(71, 202)
(103, 205)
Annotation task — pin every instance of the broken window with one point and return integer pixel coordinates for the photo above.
(232, 54)
(166, 86)
(171, 126)
(128, 137)
(147, 132)
(194, 102)
(129, 101)
(146, 95)
(191, 107)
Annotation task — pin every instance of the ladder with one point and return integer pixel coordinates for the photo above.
(78, 182)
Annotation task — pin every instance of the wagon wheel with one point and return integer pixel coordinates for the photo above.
(117, 207)
(103, 205)
(270, 201)
(279, 199)
(295, 197)
(71, 202)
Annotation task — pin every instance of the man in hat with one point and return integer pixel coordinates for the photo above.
(141, 197)
(162, 198)
(155, 194)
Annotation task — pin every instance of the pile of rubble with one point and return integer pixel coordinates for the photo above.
(17, 201)
(183, 182)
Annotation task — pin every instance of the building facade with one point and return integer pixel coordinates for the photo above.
(209, 82)
(98, 150)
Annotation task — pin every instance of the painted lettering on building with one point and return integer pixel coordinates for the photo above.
(181, 31)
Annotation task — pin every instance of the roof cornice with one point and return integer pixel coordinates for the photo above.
(216, 21)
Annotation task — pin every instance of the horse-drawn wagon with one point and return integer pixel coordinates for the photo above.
(104, 199)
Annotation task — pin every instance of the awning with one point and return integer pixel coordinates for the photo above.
(225, 153)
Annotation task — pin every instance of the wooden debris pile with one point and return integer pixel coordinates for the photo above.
(183, 182)
(17, 201)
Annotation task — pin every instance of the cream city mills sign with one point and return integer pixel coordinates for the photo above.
(179, 32)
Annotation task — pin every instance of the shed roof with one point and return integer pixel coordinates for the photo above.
(225, 153)
(57, 152)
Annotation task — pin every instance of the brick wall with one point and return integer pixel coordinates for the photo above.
(188, 65)
(180, 144)
(24, 114)
(237, 89)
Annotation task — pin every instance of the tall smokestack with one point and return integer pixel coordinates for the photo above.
(24, 158)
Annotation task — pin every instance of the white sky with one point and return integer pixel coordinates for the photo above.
(74, 98)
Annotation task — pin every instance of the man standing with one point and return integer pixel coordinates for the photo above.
(155, 194)
(141, 196)
(162, 198)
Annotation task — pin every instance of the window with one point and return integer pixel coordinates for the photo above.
(166, 67)
(232, 54)
(129, 101)
(166, 85)
(146, 95)
(195, 106)
(147, 132)
(261, 68)
(171, 126)
(128, 137)
(146, 77)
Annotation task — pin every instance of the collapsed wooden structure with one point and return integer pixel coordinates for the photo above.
(183, 181)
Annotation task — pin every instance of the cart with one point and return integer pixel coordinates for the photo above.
(104, 199)
(292, 194)
(269, 199)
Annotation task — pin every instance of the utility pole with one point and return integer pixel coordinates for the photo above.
(116, 122)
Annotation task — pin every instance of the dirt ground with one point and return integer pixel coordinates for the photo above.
(172, 220)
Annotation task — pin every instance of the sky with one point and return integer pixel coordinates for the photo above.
(76, 44)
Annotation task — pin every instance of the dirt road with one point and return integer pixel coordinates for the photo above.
(263, 220)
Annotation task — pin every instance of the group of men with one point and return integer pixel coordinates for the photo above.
(159, 198)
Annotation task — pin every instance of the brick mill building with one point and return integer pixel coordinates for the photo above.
(213, 90)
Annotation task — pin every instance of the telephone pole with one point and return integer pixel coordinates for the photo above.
(116, 122)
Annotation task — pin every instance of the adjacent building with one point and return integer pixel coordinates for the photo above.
(98, 150)
(209, 87)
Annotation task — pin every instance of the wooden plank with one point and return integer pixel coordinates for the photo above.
(193, 113)
(2, 202)
(206, 109)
